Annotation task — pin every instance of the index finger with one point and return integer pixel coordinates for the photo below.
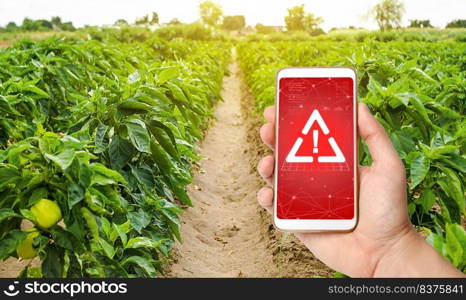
(379, 144)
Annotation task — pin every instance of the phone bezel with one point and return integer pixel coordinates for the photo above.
(318, 225)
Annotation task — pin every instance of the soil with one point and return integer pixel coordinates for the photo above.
(226, 233)
(223, 234)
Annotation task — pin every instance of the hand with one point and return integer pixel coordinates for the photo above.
(378, 245)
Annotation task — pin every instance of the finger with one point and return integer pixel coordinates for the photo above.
(265, 168)
(377, 140)
(267, 135)
(269, 114)
(265, 198)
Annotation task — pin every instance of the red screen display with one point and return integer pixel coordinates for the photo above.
(315, 165)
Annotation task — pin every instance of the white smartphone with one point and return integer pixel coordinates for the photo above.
(316, 150)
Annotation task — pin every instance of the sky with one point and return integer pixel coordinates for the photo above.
(336, 13)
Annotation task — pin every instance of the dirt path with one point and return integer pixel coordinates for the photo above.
(224, 234)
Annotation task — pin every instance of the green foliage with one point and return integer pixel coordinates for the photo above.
(233, 22)
(28, 24)
(388, 14)
(300, 20)
(417, 91)
(459, 23)
(107, 131)
(264, 29)
(420, 24)
(146, 20)
(210, 12)
(193, 31)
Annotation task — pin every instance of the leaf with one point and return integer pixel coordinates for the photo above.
(139, 219)
(142, 242)
(427, 200)
(8, 174)
(120, 152)
(142, 262)
(448, 206)
(180, 192)
(455, 187)
(456, 244)
(455, 161)
(108, 249)
(134, 77)
(100, 135)
(418, 170)
(144, 176)
(27, 214)
(64, 239)
(422, 75)
(435, 240)
(6, 108)
(164, 137)
(161, 158)
(402, 142)
(171, 216)
(6, 213)
(138, 135)
(75, 194)
(35, 90)
(156, 93)
(85, 175)
(52, 264)
(177, 92)
(63, 159)
(37, 194)
(121, 233)
(419, 107)
(103, 175)
(437, 152)
(132, 106)
(9, 243)
(167, 74)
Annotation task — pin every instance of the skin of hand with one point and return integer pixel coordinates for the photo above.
(384, 243)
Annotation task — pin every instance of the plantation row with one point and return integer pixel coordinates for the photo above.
(418, 92)
(96, 145)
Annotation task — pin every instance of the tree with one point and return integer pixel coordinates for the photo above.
(300, 20)
(155, 18)
(121, 23)
(388, 14)
(420, 24)
(210, 13)
(142, 21)
(67, 26)
(457, 24)
(234, 22)
(264, 29)
(44, 24)
(174, 21)
(56, 21)
(11, 27)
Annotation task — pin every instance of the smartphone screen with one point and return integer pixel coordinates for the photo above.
(315, 155)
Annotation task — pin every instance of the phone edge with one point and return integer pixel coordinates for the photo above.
(356, 154)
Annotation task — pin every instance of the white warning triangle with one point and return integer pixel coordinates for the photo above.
(315, 117)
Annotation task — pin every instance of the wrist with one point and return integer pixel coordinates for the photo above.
(392, 261)
(412, 256)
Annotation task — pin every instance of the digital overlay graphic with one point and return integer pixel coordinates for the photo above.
(315, 149)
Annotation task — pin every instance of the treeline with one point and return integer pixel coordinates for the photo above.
(55, 23)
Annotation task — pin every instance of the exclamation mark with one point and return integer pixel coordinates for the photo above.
(315, 136)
